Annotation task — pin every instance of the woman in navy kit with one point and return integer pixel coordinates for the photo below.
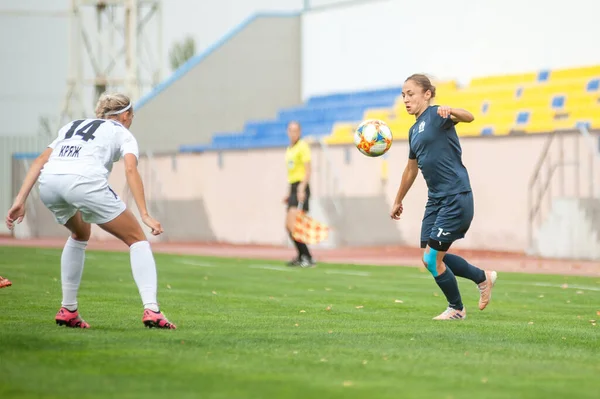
(436, 151)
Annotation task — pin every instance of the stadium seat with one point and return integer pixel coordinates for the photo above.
(531, 102)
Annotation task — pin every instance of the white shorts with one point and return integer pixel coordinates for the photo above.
(64, 195)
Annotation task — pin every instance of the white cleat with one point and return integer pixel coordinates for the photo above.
(452, 314)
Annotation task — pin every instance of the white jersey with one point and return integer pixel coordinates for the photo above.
(89, 147)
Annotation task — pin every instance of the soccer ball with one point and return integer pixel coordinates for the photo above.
(373, 138)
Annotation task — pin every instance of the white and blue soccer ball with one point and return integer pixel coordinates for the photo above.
(373, 137)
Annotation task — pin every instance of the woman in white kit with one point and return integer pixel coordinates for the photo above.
(73, 182)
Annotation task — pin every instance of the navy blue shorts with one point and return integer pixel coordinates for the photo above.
(447, 219)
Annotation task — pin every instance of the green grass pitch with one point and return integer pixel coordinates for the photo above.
(256, 329)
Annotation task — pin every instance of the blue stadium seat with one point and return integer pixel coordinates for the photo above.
(543, 76)
(558, 102)
(317, 117)
(487, 131)
(522, 117)
(593, 85)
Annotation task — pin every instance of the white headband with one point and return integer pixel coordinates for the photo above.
(119, 112)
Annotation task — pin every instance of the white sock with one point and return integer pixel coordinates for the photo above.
(71, 270)
(143, 268)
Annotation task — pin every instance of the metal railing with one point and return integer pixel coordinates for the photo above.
(331, 177)
(542, 190)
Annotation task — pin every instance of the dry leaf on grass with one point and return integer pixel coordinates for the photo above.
(598, 313)
(541, 296)
(364, 362)
(327, 289)
(579, 292)
(169, 286)
(214, 292)
(531, 322)
(303, 311)
(330, 332)
(564, 286)
(296, 325)
(328, 308)
(399, 301)
(360, 307)
(323, 360)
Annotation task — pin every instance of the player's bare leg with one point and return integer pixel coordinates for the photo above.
(126, 228)
(445, 279)
(71, 270)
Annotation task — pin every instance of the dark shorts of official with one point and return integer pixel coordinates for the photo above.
(293, 198)
(446, 220)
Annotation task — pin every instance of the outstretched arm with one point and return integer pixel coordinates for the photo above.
(134, 181)
(32, 175)
(456, 114)
(408, 178)
(17, 212)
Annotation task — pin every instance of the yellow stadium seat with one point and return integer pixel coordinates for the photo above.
(574, 73)
(384, 114)
(503, 80)
(499, 103)
(342, 133)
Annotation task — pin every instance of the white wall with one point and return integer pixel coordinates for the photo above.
(381, 43)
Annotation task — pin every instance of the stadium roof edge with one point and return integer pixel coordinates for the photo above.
(196, 59)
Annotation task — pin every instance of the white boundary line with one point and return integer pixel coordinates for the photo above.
(347, 272)
(267, 267)
(195, 263)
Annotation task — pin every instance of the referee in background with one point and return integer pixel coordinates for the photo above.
(297, 158)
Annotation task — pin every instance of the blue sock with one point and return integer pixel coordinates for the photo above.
(447, 283)
(462, 268)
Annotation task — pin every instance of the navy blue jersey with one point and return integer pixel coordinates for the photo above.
(434, 144)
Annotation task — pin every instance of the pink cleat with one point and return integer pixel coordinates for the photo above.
(485, 289)
(156, 319)
(65, 317)
(4, 282)
(452, 314)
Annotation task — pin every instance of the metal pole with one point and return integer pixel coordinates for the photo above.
(591, 175)
(561, 160)
(530, 218)
(159, 73)
(549, 182)
(576, 161)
